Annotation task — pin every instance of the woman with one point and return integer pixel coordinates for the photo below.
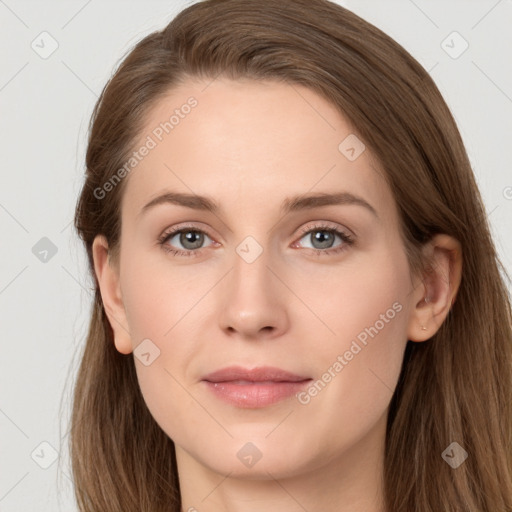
(298, 302)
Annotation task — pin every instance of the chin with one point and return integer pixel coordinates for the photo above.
(257, 458)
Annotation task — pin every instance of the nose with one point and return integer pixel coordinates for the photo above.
(253, 300)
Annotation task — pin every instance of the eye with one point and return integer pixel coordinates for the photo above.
(322, 237)
(191, 238)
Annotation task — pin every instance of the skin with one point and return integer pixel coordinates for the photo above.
(249, 145)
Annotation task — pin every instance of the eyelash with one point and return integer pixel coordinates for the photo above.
(347, 239)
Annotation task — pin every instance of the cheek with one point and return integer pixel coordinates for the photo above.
(356, 299)
(359, 365)
(158, 296)
(162, 308)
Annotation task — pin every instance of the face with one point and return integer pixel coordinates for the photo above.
(319, 289)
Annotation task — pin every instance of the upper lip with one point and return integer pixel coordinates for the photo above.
(260, 374)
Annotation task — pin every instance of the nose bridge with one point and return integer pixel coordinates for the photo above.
(251, 277)
(251, 298)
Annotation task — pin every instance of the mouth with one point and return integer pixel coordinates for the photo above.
(254, 388)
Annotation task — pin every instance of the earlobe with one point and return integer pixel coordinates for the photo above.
(107, 275)
(434, 297)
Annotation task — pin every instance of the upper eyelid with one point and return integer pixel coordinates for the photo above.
(328, 225)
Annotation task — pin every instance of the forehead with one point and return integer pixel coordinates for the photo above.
(247, 140)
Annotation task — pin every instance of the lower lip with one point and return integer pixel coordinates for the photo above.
(255, 394)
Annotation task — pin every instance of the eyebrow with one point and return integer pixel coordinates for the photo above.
(293, 204)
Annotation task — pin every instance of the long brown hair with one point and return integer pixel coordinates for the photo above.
(456, 387)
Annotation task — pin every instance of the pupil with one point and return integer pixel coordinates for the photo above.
(189, 236)
(321, 237)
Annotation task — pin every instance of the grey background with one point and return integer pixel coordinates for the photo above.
(45, 109)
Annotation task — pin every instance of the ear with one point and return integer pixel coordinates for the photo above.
(438, 285)
(107, 273)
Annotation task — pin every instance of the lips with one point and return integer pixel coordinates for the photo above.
(262, 374)
(255, 387)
